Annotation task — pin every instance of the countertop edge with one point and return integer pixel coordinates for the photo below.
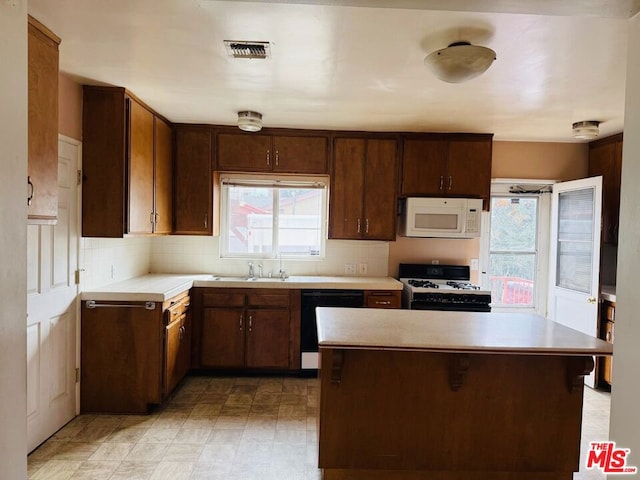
(161, 287)
(473, 350)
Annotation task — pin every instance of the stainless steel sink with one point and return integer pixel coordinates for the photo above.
(245, 279)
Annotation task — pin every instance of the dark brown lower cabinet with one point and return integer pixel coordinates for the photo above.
(177, 338)
(607, 327)
(247, 328)
(267, 339)
(133, 353)
(222, 337)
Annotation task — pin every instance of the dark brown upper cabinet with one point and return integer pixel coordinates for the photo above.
(126, 163)
(257, 152)
(457, 165)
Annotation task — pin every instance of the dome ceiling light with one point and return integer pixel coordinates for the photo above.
(249, 121)
(460, 62)
(586, 130)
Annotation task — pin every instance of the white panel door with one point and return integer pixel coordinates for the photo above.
(52, 320)
(574, 266)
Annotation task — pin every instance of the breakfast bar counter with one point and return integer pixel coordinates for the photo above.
(414, 395)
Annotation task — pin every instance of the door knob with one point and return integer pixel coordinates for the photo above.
(591, 300)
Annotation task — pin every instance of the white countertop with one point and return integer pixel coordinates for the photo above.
(608, 292)
(160, 287)
(421, 330)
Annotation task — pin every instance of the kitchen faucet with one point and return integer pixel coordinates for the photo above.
(283, 274)
(251, 275)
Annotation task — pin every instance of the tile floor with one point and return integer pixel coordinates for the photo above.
(218, 428)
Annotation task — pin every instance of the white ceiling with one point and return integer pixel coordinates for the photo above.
(350, 65)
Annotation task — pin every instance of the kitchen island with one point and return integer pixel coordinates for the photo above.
(415, 395)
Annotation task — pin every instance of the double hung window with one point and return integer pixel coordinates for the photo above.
(262, 217)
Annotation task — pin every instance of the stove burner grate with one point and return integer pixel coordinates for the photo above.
(463, 285)
(423, 284)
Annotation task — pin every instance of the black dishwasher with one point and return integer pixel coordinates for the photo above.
(308, 329)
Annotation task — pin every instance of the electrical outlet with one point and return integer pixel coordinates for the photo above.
(474, 264)
(349, 268)
(435, 262)
(362, 268)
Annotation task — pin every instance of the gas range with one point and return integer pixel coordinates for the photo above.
(442, 287)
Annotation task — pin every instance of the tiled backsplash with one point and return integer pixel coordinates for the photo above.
(178, 254)
(110, 260)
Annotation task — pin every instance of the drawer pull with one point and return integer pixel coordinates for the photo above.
(93, 304)
(387, 302)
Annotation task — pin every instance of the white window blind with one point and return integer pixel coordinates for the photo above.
(575, 240)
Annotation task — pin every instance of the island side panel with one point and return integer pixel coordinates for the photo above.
(397, 411)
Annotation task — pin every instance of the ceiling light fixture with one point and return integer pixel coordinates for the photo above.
(460, 62)
(249, 121)
(586, 130)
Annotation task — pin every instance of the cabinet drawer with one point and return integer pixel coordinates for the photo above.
(611, 313)
(268, 299)
(609, 332)
(382, 299)
(179, 309)
(223, 299)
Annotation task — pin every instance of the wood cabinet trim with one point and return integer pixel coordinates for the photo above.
(42, 29)
(618, 137)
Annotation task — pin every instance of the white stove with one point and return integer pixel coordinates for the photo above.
(442, 287)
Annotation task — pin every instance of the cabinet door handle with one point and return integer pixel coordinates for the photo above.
(366, 226)
(151, 217)
(268, 157)
(277, 158)
(156, 216)
(450, 182)
(241, 321)
(441, 182)
(250, 322)
(609, 337)
(206, 220)
(358, 225)
(31, 191)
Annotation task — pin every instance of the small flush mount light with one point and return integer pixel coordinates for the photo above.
(586, 130)
(460, 62)
(249, 121)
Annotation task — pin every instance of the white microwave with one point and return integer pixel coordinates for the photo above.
(441, 217)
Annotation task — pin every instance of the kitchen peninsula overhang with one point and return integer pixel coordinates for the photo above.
(450, 395)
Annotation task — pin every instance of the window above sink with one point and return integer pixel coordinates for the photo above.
(271, 216)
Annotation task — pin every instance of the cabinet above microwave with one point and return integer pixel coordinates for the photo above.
(441, 217)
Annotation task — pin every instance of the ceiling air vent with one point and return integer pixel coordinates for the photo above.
(242, 49)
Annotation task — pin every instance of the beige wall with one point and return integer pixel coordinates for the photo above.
(13, 240)
(554, 161)
(70, 107)
(625, 394)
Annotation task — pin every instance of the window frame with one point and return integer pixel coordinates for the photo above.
(321, 182)
(500, 188)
